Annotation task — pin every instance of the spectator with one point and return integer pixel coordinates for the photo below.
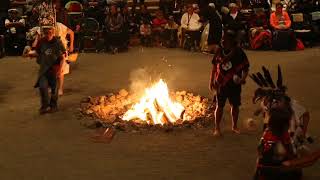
(166, 6)
(158, 24)
(126, 24)
(145, 33)
(171, 33)
(129, 21)
(283, 37)
(93, 9)
(280, 19)
(215, 29)
(33, 19)
(114, 25)
(190, 25)
(260, 35)
(15, 32)
(5, 5)
(233, 21)
(143, 15)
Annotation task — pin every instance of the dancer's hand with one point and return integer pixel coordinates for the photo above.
(71, 48)
(213, 86)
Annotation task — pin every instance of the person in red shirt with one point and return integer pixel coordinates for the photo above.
(158, 24)
(229, 72)
(260, 35)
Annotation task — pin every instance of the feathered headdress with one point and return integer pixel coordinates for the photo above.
(267, 87)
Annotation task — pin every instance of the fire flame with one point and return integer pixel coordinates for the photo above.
(156, 107)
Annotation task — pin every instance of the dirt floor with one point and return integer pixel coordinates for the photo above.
(57, 146)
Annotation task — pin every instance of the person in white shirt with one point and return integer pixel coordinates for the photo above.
(15, 31)
(63, 31)
(190, 24)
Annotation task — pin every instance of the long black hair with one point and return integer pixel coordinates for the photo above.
(279, 120)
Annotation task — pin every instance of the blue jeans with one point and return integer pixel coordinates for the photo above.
(46, 81)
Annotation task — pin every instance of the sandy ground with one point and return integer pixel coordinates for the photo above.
(57, 146)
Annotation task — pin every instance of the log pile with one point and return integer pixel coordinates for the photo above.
(108, 110)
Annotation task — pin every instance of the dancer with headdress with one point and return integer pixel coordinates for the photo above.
(50, 52)
(284, 134)
(47, 17)
(273, 95)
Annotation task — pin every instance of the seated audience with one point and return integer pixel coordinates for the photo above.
(143, 15)
(94, 9)
(5, 5)
(114, 24)
(280, 20)
(15, 32)
(158, 24)
(260, 35)
(145, 33)
(234, 21)
(171, 33)
(129, 21)
(191, 26)
(283, 37)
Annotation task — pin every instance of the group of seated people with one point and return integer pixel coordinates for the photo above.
(190, 30)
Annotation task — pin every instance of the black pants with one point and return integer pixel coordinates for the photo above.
(46, 81)
(15, 43)
(115, 39)
(192, 38)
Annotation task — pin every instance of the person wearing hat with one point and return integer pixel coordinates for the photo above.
(50, 53)
(15, 31)
(229, 72)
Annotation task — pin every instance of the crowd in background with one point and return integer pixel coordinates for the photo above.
(114, 25)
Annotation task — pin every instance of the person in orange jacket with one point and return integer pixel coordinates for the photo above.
(280, 19)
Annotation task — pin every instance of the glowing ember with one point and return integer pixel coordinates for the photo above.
(156, 107)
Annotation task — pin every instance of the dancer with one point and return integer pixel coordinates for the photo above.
(63, 31)
(50, 53)
(229, 72)
(273, 95)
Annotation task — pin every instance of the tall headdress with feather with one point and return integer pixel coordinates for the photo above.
(47, 13)
(267, 87)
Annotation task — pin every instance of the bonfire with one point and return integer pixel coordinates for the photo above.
(157, 106)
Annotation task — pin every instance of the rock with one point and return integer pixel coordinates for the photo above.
(198, 99)
(101, 100)
(112, 98)
(123, 93)
(119, 126)
(179, 98)
(89, 111)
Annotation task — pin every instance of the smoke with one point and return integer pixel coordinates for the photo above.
(139, 80)
(144, 77)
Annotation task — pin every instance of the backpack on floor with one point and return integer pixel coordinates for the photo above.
(281, 40)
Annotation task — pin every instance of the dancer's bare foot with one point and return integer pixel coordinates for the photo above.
(217, 133)
(60, 92)
(236, 130)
